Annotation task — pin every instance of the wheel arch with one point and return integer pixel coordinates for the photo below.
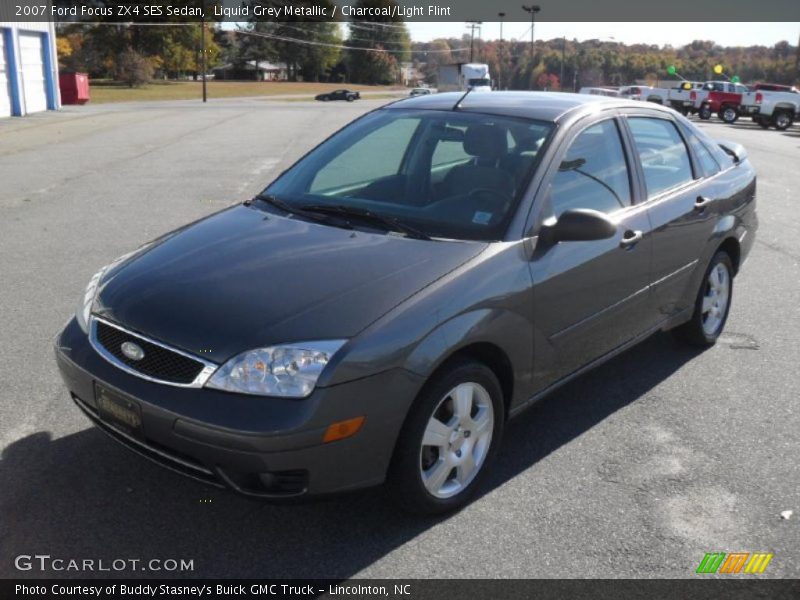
(732, 248)
(500, 339)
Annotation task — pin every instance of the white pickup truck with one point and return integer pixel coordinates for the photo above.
(777, 109)
(680, 97)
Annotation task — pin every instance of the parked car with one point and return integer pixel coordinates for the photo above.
(719, 97)
(348, 95)
(768, 108)
(598, 91)
(420, 91)
(428, 272)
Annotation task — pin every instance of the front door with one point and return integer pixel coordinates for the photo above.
(590, 297)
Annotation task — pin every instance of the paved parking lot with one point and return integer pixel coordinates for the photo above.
(635, 470)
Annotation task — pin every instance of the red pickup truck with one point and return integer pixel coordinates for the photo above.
(720, 97)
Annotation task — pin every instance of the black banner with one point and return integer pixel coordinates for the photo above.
(430, 589)
(155, 11)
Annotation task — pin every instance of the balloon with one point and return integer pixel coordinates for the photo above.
(671, 70)
(735, 79)
(717, 69)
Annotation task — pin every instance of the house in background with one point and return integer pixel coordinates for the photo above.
(252, 71)
(28, 66)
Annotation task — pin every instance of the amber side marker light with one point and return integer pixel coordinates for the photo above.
(342, 429)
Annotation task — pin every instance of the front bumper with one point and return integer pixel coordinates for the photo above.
(267, 447)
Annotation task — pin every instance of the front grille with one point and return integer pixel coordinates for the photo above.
(158, 362)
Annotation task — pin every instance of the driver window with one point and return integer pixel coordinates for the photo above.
(593, 173)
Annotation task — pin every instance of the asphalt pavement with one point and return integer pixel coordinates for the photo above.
(635, 470)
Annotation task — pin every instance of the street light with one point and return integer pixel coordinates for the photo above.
(532, 9)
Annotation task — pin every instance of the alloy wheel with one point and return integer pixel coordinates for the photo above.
(716, 298)
(456, 440)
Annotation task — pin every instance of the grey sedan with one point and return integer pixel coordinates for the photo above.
(381, 310)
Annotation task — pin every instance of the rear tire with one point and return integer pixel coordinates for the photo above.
(712, 305)
(729, 114)
(449, 439)
(782, 121)
(704, 113)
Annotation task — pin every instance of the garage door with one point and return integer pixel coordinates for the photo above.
(34, 82)
(5, 88)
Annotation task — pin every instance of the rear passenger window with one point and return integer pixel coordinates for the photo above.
(662, 152)
(594, 173)
(708, 165)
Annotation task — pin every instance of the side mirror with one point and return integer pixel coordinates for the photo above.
(737, 151)
(578, 225)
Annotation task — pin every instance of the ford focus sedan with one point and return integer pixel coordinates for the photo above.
(382, 309)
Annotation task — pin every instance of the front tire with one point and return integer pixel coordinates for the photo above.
(449, 439)
(705, 112)
(712, 305)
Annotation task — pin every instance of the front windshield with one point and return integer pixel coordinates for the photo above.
(448, 174)
(479, 82)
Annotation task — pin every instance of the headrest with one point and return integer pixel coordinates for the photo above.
(487, 142)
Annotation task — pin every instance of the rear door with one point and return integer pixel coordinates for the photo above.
(590, 297)
(680, 203)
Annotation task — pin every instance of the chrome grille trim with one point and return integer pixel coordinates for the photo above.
(199, 381)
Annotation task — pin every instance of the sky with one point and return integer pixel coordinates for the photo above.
(676, 34)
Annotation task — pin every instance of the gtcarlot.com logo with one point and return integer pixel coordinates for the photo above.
(734, 562)
(45, 562)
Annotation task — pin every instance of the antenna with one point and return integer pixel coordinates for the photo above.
(457, 105)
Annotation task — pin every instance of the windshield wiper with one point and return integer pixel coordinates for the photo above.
(300, 211)
(388, 223)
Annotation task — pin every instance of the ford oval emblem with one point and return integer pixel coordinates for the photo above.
(132, 351)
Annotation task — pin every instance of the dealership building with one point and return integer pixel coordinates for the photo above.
(28, 66)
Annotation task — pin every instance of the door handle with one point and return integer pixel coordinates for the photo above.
(701, 203)
(630, 238)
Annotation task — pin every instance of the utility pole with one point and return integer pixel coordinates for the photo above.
(473, 25)
(203, 50)
(501, 53)
(532, 9)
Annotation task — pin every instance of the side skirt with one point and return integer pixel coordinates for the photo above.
(665, 325)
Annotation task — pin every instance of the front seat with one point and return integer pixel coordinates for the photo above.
(488, 146)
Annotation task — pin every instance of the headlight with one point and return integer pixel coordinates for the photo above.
(85, 306)
(289, 370)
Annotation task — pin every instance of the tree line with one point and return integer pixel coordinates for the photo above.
(569, 64)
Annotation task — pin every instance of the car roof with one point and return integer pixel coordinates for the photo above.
(543, 106)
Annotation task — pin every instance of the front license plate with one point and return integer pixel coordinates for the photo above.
(123, 413)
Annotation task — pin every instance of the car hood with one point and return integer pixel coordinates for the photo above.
(243, 279)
